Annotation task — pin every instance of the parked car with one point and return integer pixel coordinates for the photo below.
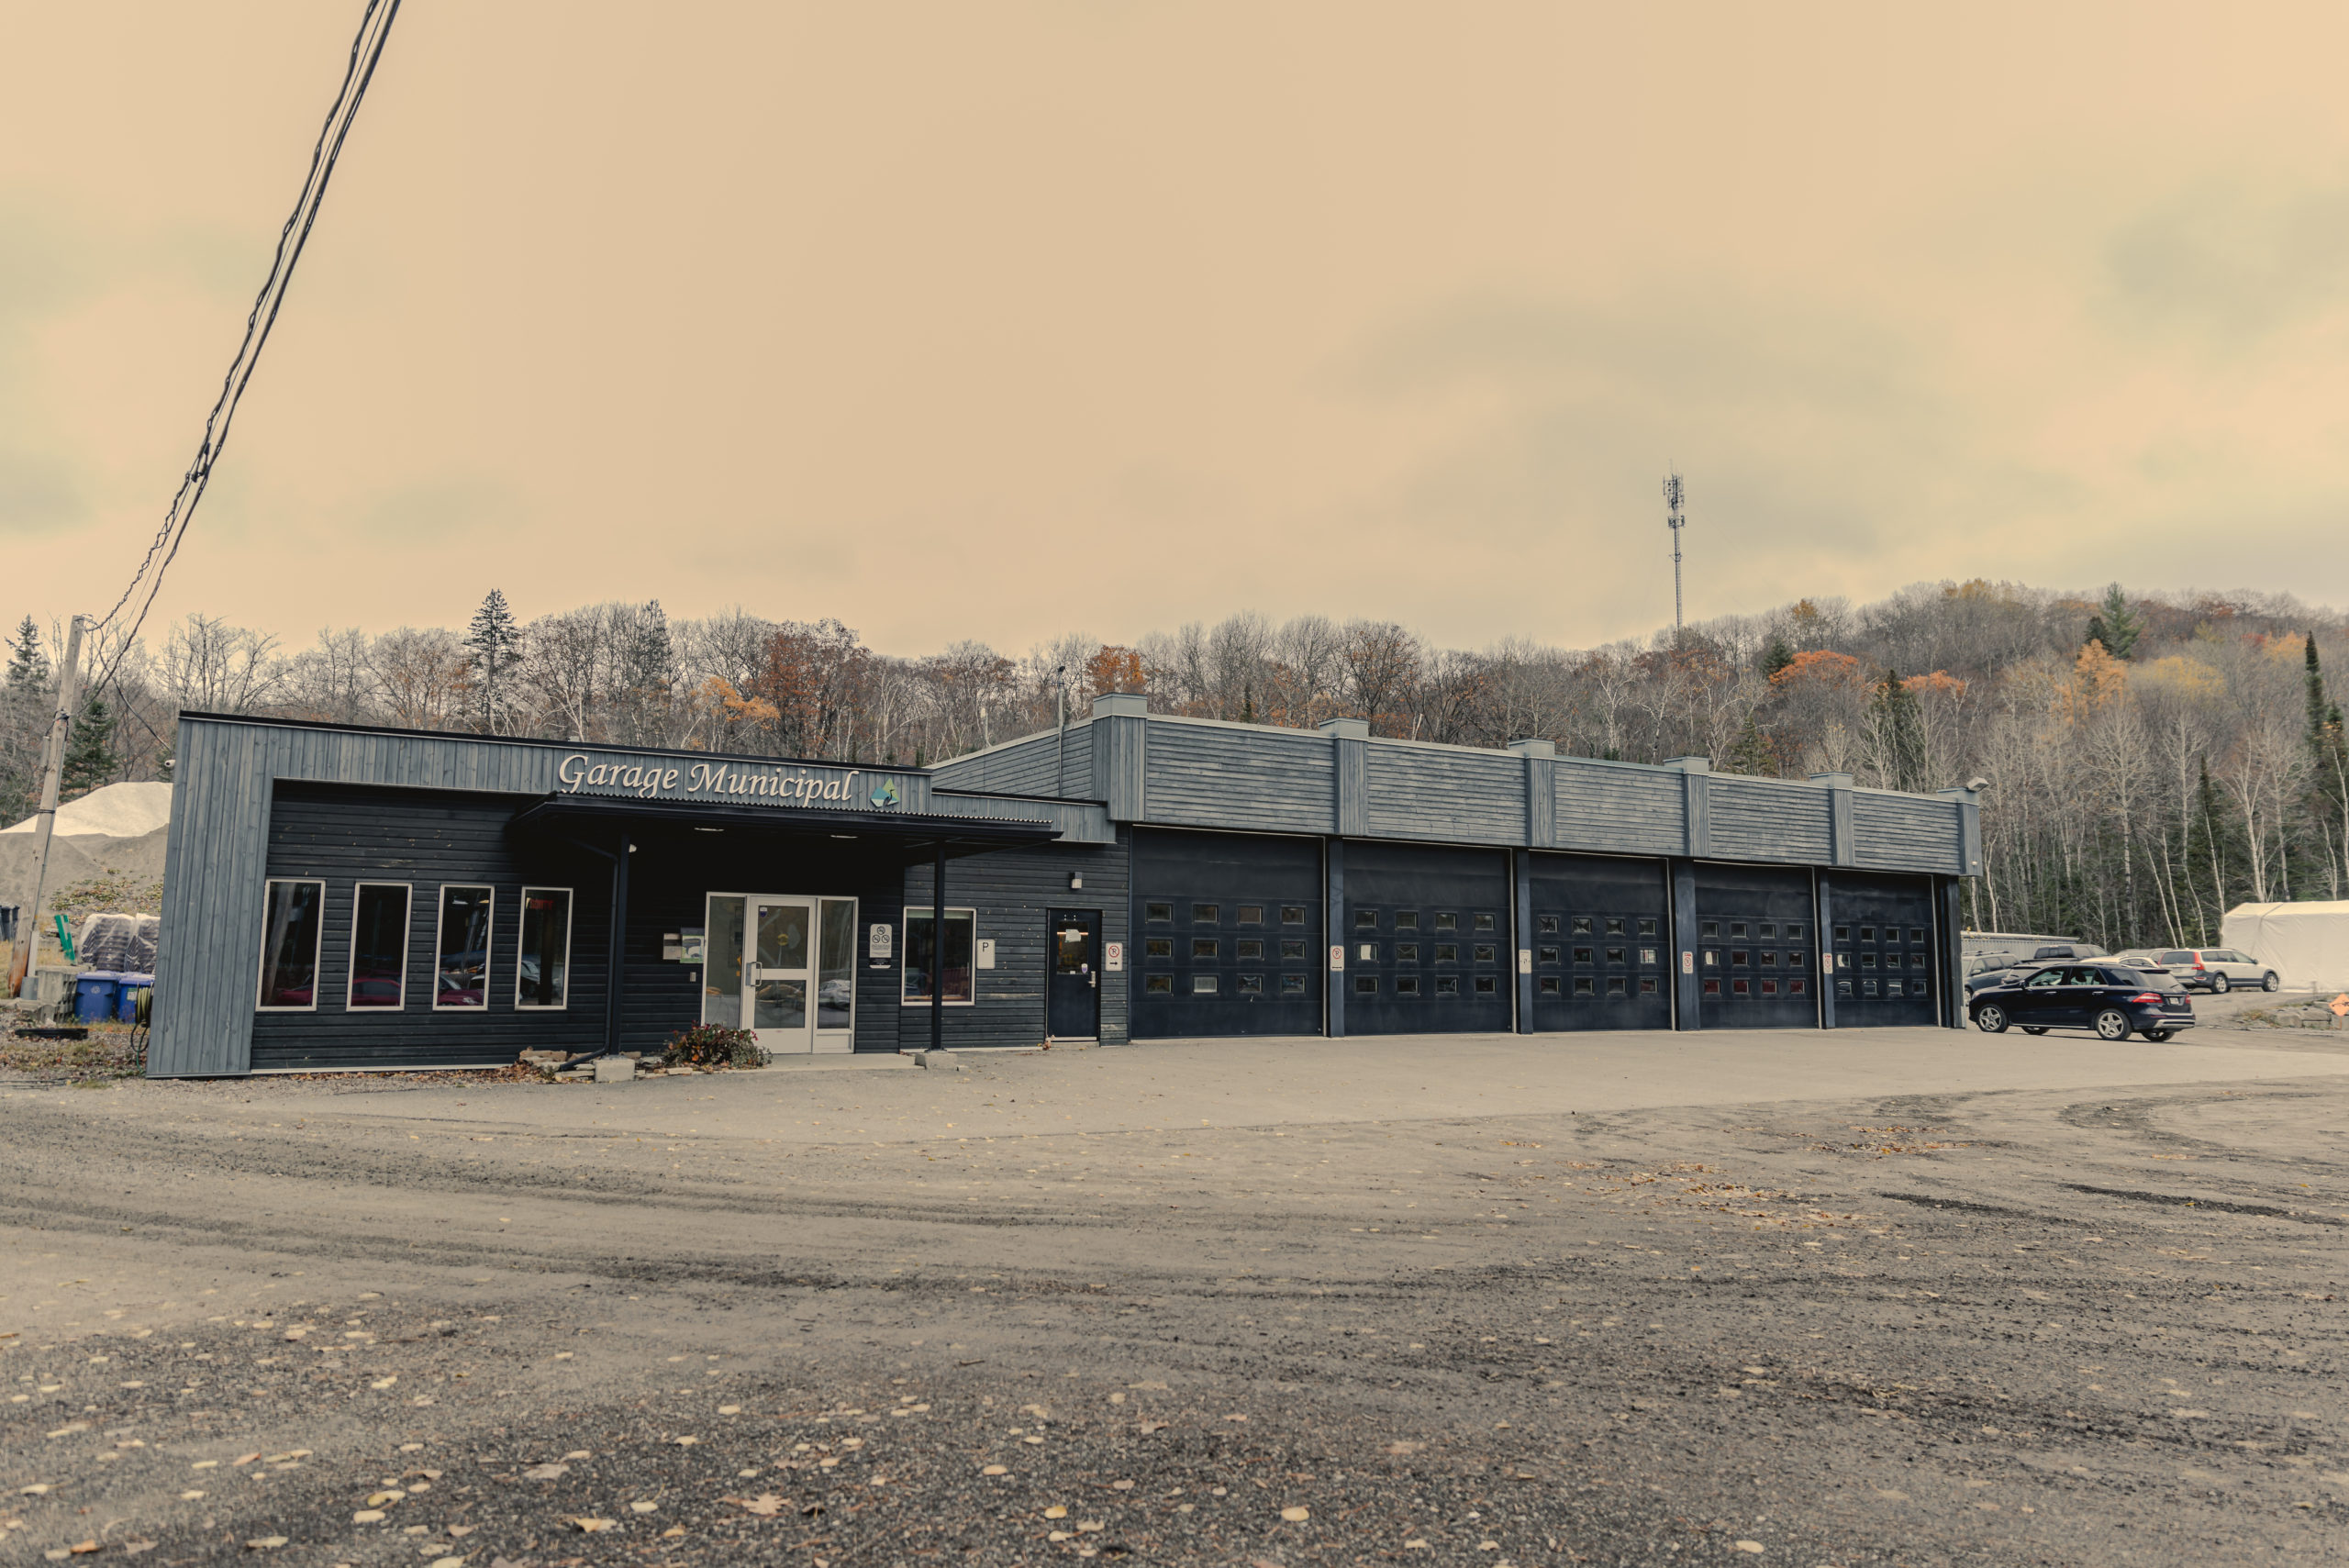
(2147, 962)
(1993, 967)
(2107, 997)
(2219, 970)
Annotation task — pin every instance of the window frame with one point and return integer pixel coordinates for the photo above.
(521, 924)
(905, 965)
(318, 944)
(488, 947)
(350, 969)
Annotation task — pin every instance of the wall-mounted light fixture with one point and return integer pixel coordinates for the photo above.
(1076, 881)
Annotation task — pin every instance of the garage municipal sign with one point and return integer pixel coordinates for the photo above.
(722, 779)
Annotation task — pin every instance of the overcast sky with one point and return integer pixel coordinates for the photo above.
(1008, 319)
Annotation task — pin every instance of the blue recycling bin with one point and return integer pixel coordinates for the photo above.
(126, 998)
(97, 993)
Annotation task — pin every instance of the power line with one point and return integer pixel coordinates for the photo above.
(366, 50)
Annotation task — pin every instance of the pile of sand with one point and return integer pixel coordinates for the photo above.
(118, 811)
(116, 832)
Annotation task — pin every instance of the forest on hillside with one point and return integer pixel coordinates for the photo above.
(2149, 761)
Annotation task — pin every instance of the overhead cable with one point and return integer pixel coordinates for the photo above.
(366, 50)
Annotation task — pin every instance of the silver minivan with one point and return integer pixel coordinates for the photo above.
(2218, 969)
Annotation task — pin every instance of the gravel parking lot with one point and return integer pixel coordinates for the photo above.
(1874, 1296)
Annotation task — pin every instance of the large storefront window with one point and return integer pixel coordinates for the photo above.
(542, 968)
(921, 955)
(379, 945)
(289, 946)
(461, 971)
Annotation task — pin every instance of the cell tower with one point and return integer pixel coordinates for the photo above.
(1672, 497)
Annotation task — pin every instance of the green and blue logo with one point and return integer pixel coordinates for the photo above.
(885, 794)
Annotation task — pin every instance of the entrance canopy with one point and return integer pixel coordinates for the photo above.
(907, 836)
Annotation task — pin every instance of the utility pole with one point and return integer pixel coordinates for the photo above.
(1676, 522)
(61, 734)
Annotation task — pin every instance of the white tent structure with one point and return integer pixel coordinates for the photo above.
(2307, 944)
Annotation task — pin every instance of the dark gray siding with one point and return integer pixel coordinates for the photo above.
(1905, 832)
(217, 856)
(1026, 766)
(1013, 892)
(1445, 793)
(1765, 819)
(344, 834)
(1229, 775)
(425, 839)
(1619, 807)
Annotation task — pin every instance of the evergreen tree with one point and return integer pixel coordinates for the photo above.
(28, 661)
(89, 750)
(2324, 718)
(2115, 625)
(1777, 656)
(1753, 754)
(493, 640)
(2328, 791)
(24, 722)
(2208, 855)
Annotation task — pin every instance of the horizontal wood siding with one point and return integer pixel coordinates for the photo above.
(1763, 819)
(1448, 796)
(345, 836)
(1205, 775)
(1621, 809)
(1026, 766)
(1907, 834)
(217, 858)
(1013, 892)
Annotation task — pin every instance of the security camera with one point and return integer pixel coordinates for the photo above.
(1978, 784)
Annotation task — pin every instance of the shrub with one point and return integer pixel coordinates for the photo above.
(707, 1045)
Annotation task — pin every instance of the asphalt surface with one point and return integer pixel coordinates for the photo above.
(1213, 1304)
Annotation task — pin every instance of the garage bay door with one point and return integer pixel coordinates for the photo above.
(1427, 935)
(1600, 939)
(1228, 933)
(1882, 931)
(1756, 947)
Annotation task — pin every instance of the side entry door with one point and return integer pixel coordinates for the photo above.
(1072, 981)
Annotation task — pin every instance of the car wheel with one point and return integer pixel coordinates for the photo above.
(2221, 984)
(2028, 1028)
(2271, 981)
(2113, 1024)
(1990, 1019)
(2157, 1036)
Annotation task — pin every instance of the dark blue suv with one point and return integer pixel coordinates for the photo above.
(2110, 998)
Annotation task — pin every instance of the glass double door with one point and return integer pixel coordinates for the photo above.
(783, 967)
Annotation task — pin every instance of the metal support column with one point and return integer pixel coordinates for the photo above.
(938, 950)
(616, 952)
(1521, 913)
(1824, 903)
(1334, 920)
(1687, 993)
(1952, 953)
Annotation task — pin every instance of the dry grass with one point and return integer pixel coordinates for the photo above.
(112, 1050)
